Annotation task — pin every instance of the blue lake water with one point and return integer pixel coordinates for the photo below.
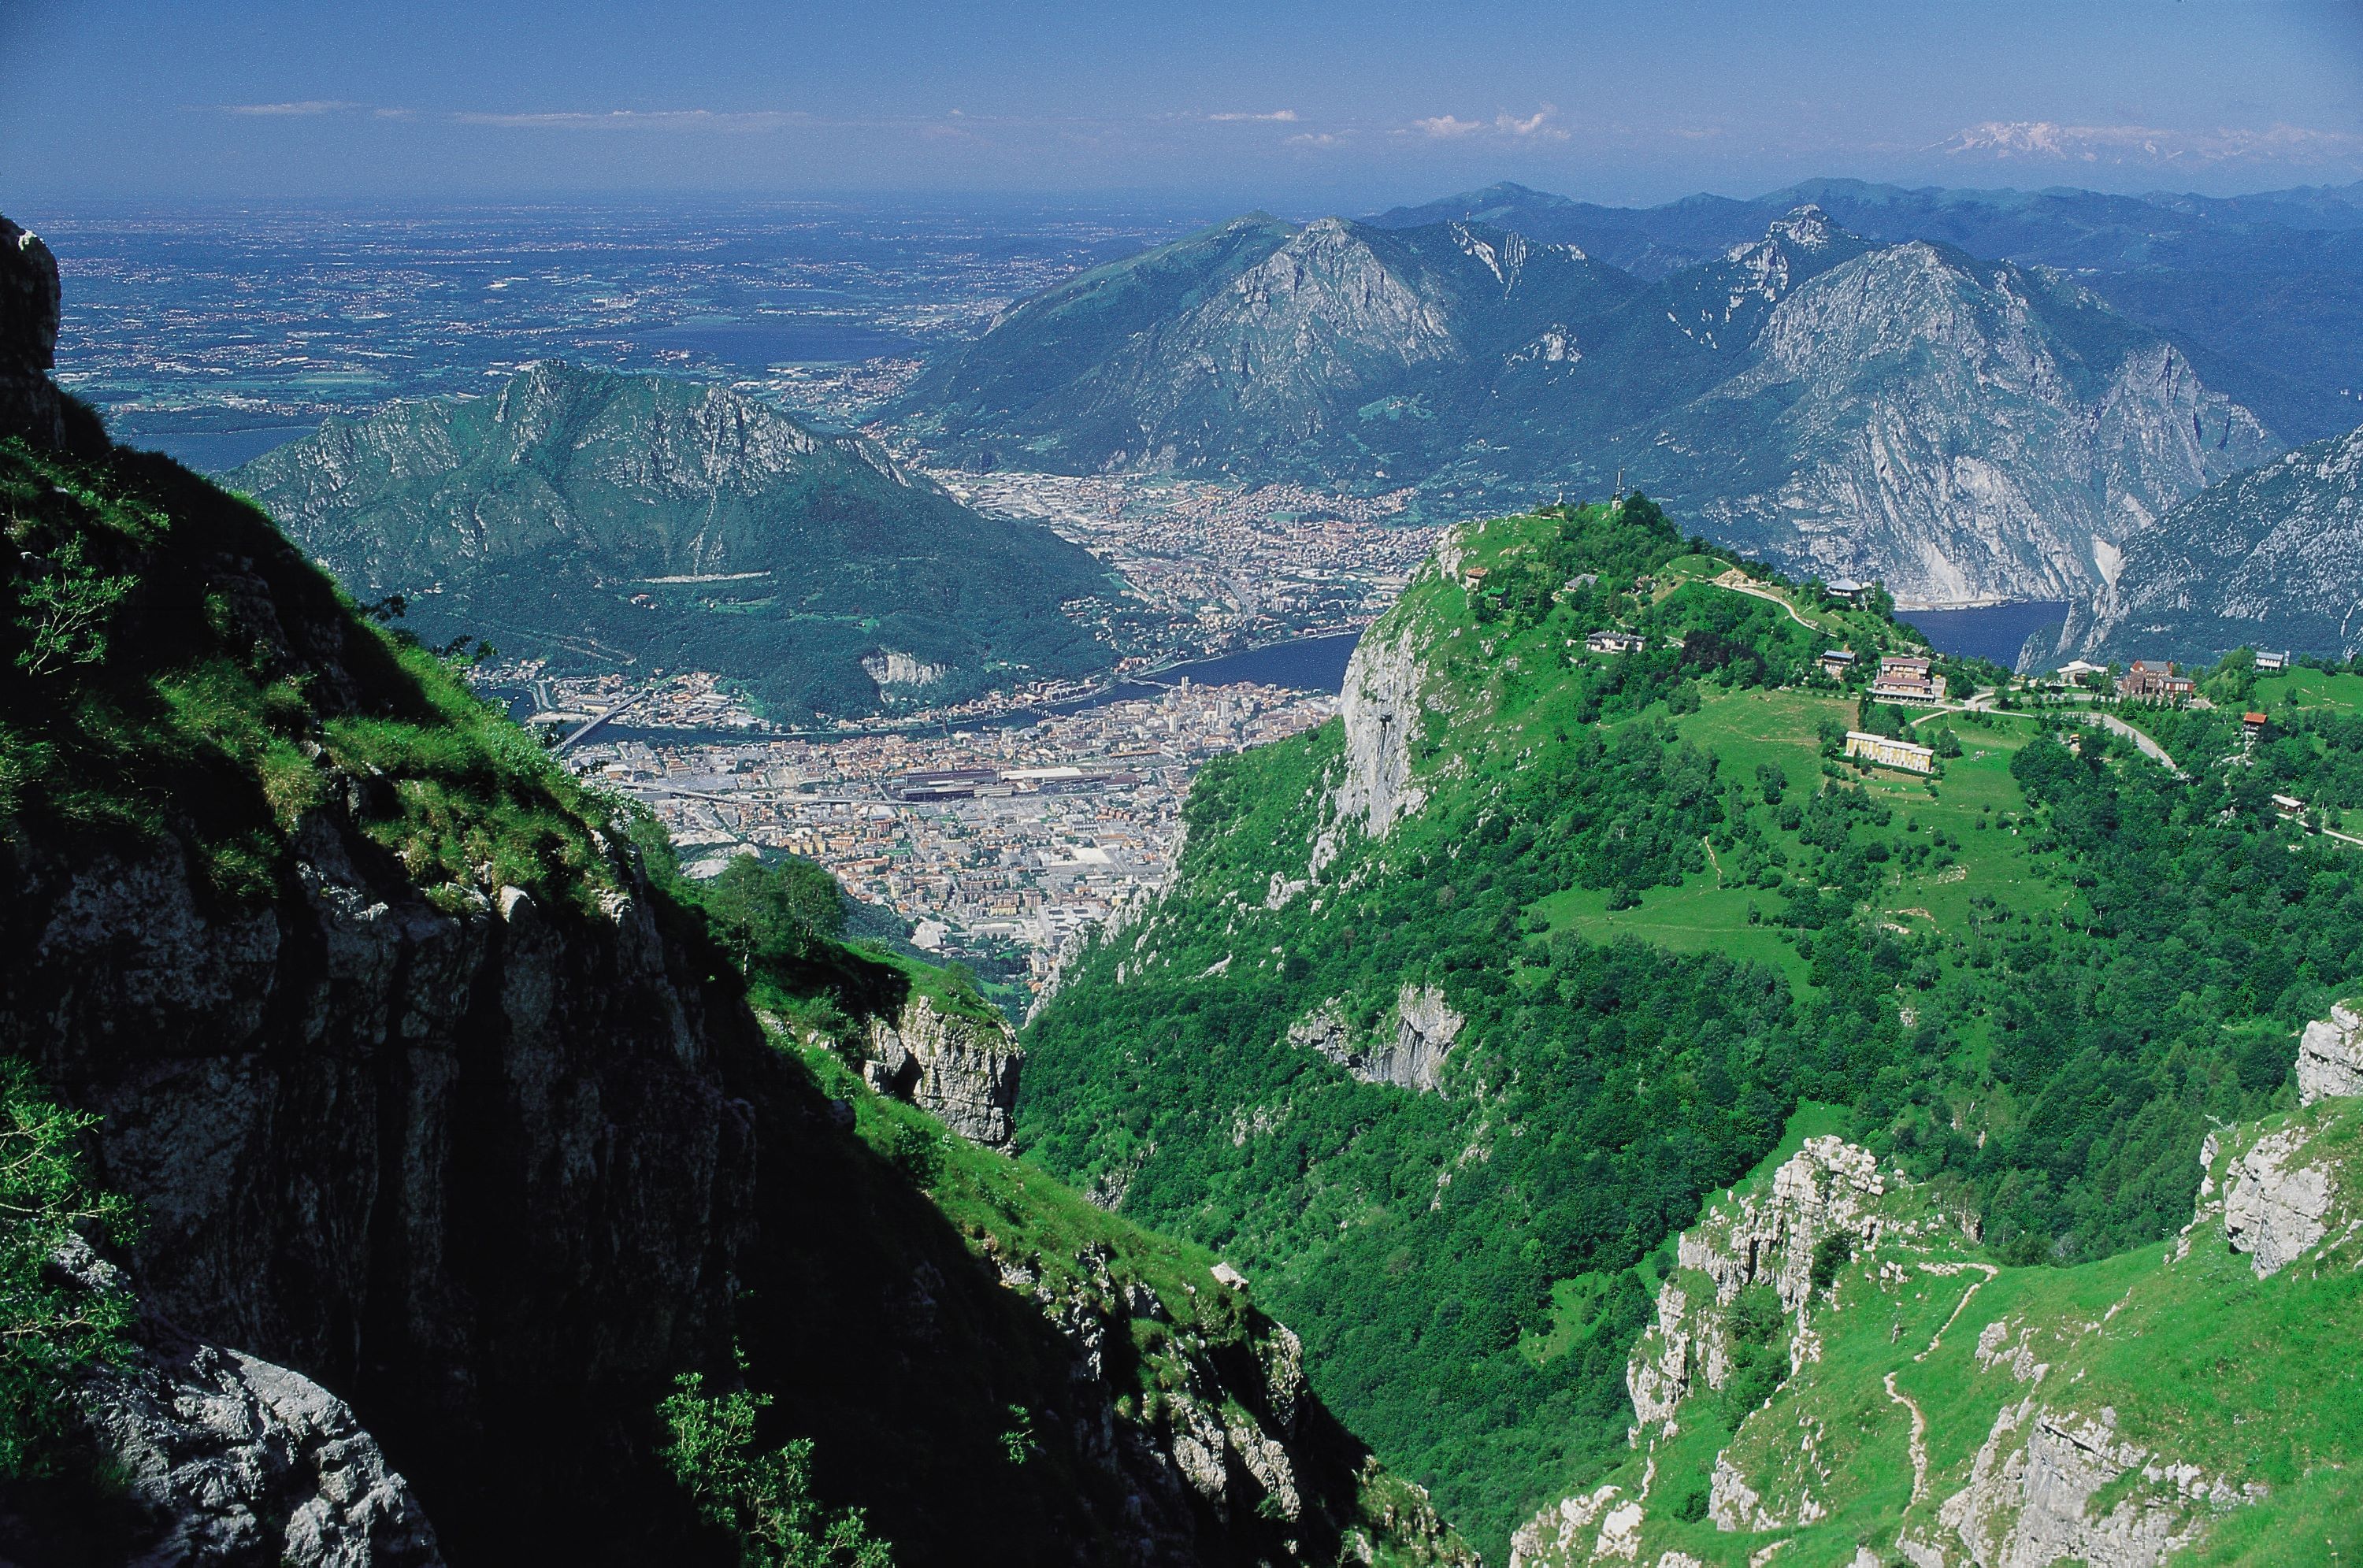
(1305, 664)
(758, 344)
(1993, 631)
(217, 451)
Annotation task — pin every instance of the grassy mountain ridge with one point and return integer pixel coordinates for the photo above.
(598, 519)
(1660, 913)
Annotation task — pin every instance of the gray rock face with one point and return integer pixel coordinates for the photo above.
(1829, 1186)
(2026, 1505)
(224, 1461)
(1412, 1058)
(2330, 1057)
(1964, 431)
(962, 1070)
(234, 1460)
(2272, 558)
(2274, 1207)
(1380, 710)
(28, 338)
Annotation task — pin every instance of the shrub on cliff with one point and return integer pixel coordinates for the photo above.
(50, 1326)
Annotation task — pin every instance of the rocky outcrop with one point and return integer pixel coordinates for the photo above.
(229, 1460)
(1413, 1057)
(2026, 1505)
(1830, 1186)
(1234, 1429)
(901, 673)
(962, 1070)
(1380, 710)
(2275, 1207)
(219, 1459)
(2330, 1056)
(29, 405)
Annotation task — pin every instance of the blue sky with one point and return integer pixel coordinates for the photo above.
(1294, 106)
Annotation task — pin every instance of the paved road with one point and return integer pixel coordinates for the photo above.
(1772, 598)
(2142, 743)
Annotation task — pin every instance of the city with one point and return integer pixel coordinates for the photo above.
(993, 843)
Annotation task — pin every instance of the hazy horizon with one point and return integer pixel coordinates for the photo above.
(1291, 106)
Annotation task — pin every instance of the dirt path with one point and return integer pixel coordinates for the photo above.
(1919, 1439)
(1959, 1307)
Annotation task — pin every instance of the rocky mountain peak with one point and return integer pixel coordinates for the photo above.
(29, 337)
(1807, 226)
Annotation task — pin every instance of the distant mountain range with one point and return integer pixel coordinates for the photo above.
(603, 519)
(2271, 558)
(2264, 292)
(1966, 430)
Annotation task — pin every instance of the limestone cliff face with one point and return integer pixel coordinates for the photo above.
(963, 1070)
(1409, 1057)
(1964, 431)
(30, 404)
(2330, 1056)
(2271, 557)
(1380, 710)
(1829, 1187)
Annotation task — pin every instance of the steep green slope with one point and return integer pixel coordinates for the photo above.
(598, 520)
(431, 1083)
(1837, 1367)
(1457, 1006)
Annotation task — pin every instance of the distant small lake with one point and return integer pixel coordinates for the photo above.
(758, 344)
(217, 451)
(1991, 631)
(1305, 664)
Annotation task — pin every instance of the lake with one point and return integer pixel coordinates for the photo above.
(1991, 631)
(1302, 664)
(217, 451)
(754, 347)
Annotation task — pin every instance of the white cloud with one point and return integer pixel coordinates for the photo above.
(305, 107)
(1318, 140)
(2047, 141)
(1504, 126)
(1283, 117)
(641, 119)
(1536, 127)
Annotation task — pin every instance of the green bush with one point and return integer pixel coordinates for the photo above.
(762, 1495)
(49, 1329)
